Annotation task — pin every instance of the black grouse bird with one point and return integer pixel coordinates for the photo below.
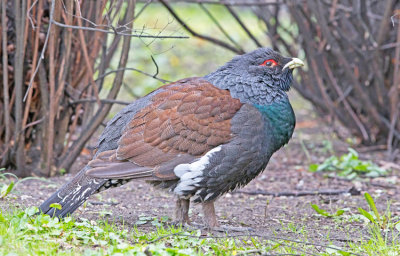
(198, 137)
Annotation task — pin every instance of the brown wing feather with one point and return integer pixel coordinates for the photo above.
(190, 117)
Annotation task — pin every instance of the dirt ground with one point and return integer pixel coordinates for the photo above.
(282, 216)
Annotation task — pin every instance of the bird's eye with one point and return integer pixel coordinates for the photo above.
(269, 63)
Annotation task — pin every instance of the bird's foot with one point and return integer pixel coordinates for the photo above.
(181, 213)
(179, 223)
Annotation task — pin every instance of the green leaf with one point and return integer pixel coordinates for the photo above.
(141, 222)
(371, 204)
(56, 206)
(62, 171)
(313, 167)
(353, 152)
(351, 176)
(363, 167)
(5, 190)
(366, 215)
(30, 211)
(397, 226)
(320, 211)
(339, 212)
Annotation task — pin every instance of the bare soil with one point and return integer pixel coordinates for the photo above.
(290, 217)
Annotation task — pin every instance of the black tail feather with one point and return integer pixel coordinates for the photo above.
(71, 195)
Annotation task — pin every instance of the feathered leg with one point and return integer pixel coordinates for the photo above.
(211, 220)
(209, 215)
(182, 211)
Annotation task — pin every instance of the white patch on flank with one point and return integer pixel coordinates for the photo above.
(191, 174)
(208, 196)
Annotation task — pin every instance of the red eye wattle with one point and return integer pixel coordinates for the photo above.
(269, 63)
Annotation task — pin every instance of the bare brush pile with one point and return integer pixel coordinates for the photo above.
(35, 133)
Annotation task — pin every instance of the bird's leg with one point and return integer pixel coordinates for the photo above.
(209, 215)
(182, 211)
(212, 223)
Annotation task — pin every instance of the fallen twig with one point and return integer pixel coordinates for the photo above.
(328, 192)
(102, 203)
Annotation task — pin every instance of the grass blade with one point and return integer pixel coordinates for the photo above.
(372, 205)
(366, 215)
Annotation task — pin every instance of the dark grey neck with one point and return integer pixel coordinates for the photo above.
(243, 88)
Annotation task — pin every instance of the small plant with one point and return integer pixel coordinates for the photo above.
(381, 221)
(62, 171)
(349, 166)
(5, 189)
(325, 213)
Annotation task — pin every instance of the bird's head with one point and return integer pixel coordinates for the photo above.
(266, 65)
(264, 70)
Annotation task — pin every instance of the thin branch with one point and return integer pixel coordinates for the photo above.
(387, 46)
(87, 59)
(117, 32)
(388, 125)
(155, 63)
(6, 95)
(231, 2)
(34, 123)
(209, 14)
(34, 58)
(28, 14)
(123, 69)
(19, 10)
(148, 2)
(195, 34)
(52, 100)
(104, 101)
(43, 50)
(238, 20)
(81, 17)
(394, 94)
(345, 102)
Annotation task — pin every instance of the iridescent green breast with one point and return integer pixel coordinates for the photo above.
(279, 121)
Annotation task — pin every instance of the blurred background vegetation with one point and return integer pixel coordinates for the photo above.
(95, 53)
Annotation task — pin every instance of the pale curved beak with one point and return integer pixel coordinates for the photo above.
(294, 63)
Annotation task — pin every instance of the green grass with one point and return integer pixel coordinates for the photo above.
(25, 233)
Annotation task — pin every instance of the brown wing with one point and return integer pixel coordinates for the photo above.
(184, 120)
(190, 116)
